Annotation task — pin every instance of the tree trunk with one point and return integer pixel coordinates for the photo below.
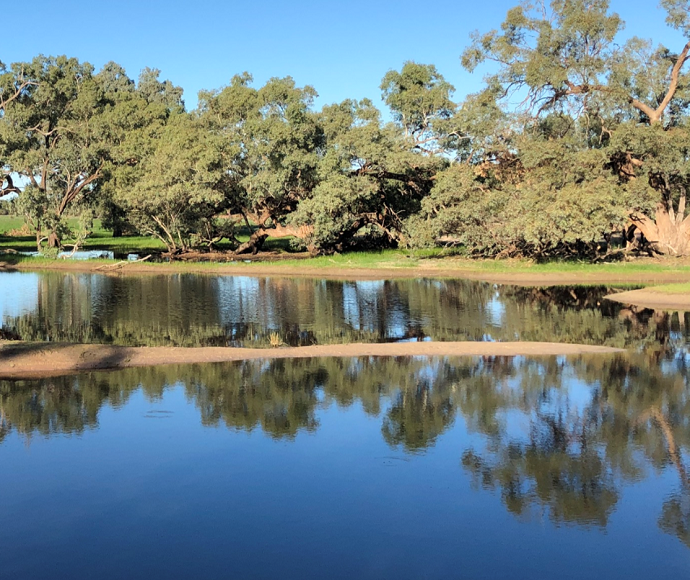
(53, 240)
(253, 245)
(669, 232)
(257, 239)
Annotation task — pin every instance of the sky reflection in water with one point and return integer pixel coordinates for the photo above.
(341, 468)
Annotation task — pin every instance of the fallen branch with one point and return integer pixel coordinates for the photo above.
(121, 264)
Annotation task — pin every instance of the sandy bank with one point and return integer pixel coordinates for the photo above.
(648, 298)
(448, 268)
(26, 360)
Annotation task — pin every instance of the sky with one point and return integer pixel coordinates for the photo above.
(341, 49)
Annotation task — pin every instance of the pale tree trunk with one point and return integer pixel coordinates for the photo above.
(669, 231)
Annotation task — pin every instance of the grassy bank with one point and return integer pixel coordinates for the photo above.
(672, 288)
(398, 264)
(674, 274)
(100, 239)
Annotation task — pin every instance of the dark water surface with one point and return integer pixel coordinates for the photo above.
(194, 310)
(350, 468)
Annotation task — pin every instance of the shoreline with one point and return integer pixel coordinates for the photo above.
(20, 360)
(440, 268)
(648, 298)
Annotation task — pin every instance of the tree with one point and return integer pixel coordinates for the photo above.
(270, 143)
(565, 59)
(12, 87)
(176, 196)
(135, 117)
(161, 92)
(374, 176)
(52, 135)
(420, 100)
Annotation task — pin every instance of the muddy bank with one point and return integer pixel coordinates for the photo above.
(28, 360)
(426, 269)
(651, 299)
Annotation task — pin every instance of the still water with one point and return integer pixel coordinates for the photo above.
(193, 310)
(351, 468)
(344, 468)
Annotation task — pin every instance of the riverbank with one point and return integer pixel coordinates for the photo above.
(391, 265)
(669, 297)
(35, 360)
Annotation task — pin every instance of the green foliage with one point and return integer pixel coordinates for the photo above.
(175, 197)
(419, 98)
(596, 150)
(269, 141)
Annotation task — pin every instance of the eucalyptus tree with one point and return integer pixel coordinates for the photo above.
(374, 176)
(564, 58)
(270, 141)
(52, 135)
(420, 100)
(175, 197)
(162, 92)
(135, 115)
(13, 85)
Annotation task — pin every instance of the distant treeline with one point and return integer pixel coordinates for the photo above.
(577, 140)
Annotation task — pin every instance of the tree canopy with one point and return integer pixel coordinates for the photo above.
(577, 145)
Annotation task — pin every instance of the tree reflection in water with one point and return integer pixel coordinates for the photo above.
(196, 310)
(560, 437)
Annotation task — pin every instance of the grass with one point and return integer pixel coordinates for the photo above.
(100, 239)
(683, 288)
(8, 222)
(103, 240)
(431, 259)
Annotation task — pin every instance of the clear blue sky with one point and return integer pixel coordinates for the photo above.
(343, 49)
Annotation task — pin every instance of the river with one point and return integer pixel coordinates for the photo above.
(483, 467)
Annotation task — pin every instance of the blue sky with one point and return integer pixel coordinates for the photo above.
(342, 49)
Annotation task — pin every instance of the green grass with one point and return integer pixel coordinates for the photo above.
(625, 273)
(103, 240)
(439, 259)
(99, 240)
(683, 288)
(406, 259)
(8, 222)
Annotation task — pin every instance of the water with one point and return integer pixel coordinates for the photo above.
(486, 467)
(350, 468)
(194, 310)
(88, 255)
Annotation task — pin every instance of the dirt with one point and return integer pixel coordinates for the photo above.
(34, 360)
(427, 268)
(648, 298)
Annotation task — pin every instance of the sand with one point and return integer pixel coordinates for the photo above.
(33, 360)
(648, 298)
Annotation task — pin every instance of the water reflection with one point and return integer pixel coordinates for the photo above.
(556, 438)
(194, 310)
